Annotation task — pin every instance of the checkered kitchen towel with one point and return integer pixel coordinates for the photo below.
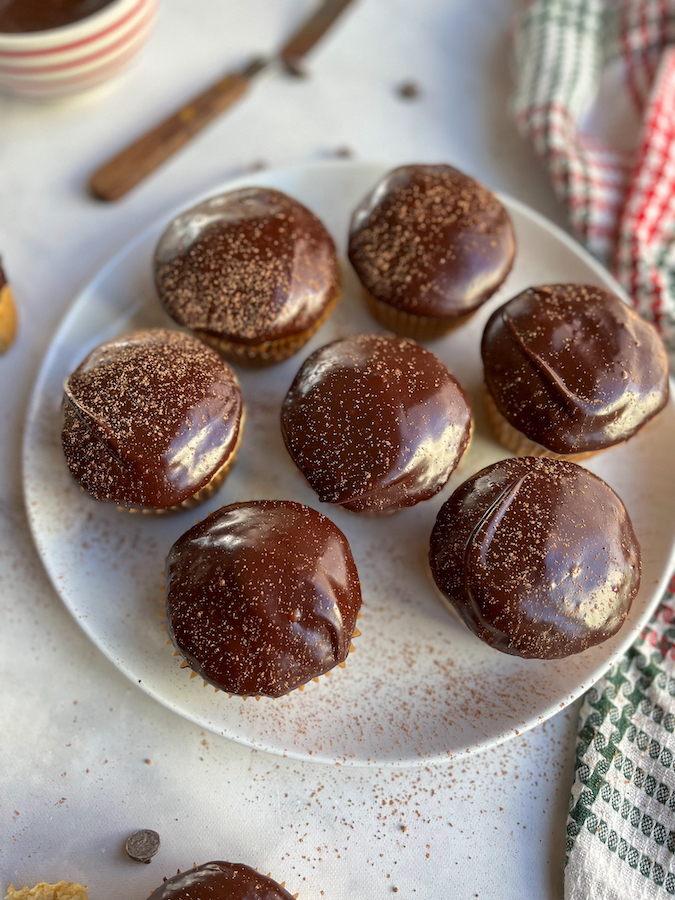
(621, 202)
(574, 60)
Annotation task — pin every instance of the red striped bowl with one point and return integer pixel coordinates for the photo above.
(76, 57)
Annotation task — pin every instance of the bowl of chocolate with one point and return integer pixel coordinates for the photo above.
(52, 48)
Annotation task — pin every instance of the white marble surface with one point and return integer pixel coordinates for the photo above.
(86, 758)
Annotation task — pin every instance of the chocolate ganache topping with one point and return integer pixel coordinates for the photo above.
(220, 881)
(431, 241)
(250, 266)
(537, 556)
(149, 418)
(262, 596)
(19, 16)
(375, 422)
(573, 367)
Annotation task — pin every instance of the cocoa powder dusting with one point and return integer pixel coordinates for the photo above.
(431, 241)
(250, 266)
(573, 367)
(537, 556)
(375, 422)
(262, 597)
(149, 418)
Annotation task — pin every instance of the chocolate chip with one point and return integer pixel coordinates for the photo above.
(142, 845)
(344, 152)
(409, 90)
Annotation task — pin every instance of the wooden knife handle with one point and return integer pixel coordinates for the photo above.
(131, 166)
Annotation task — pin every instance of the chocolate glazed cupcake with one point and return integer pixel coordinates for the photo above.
(151, 421)
(429, 245)
(262, 597)
(221, 881)
(538, 557)
(375, 423)
(570, 370)
(253, 273)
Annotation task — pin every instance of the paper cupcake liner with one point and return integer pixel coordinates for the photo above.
(517, 442)
(184, 664)
(407, 324)
(268, 353)
(203, 494)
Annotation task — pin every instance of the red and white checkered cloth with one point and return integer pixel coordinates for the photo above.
(621, 201)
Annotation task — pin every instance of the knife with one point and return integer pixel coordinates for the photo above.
(124, 171)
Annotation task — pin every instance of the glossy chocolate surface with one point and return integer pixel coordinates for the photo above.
(262, 596)
(538, 557)
(220, 881)
(573, 367)
(431, 241)
(19, 16)
(249, 266)
(375, 423)
(149, 418)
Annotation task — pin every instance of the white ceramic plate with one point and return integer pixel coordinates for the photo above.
(419, 688)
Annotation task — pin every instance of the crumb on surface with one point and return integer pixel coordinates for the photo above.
(409, 90)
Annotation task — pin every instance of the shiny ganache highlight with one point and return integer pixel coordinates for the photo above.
(149, 419)
(21, 16)
(220, 881)
(262, 596)
(537, 556)
(573, 367)
(431, 241)
(250, 266)
(375, 423)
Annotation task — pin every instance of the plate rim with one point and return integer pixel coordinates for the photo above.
(259, 178)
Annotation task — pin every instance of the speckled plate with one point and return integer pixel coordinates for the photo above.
(419, 688)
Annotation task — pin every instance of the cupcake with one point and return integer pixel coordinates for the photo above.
(262, 597)
(7, 314)
(375, 423)
(151, 421)
(570, 370)
(221, 881)
(43, 891)
(537, 557)
(429, 245)
(253, 273)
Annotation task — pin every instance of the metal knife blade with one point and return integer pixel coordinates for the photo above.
(310, 33)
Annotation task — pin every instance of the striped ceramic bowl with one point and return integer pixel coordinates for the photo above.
(76, 57)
